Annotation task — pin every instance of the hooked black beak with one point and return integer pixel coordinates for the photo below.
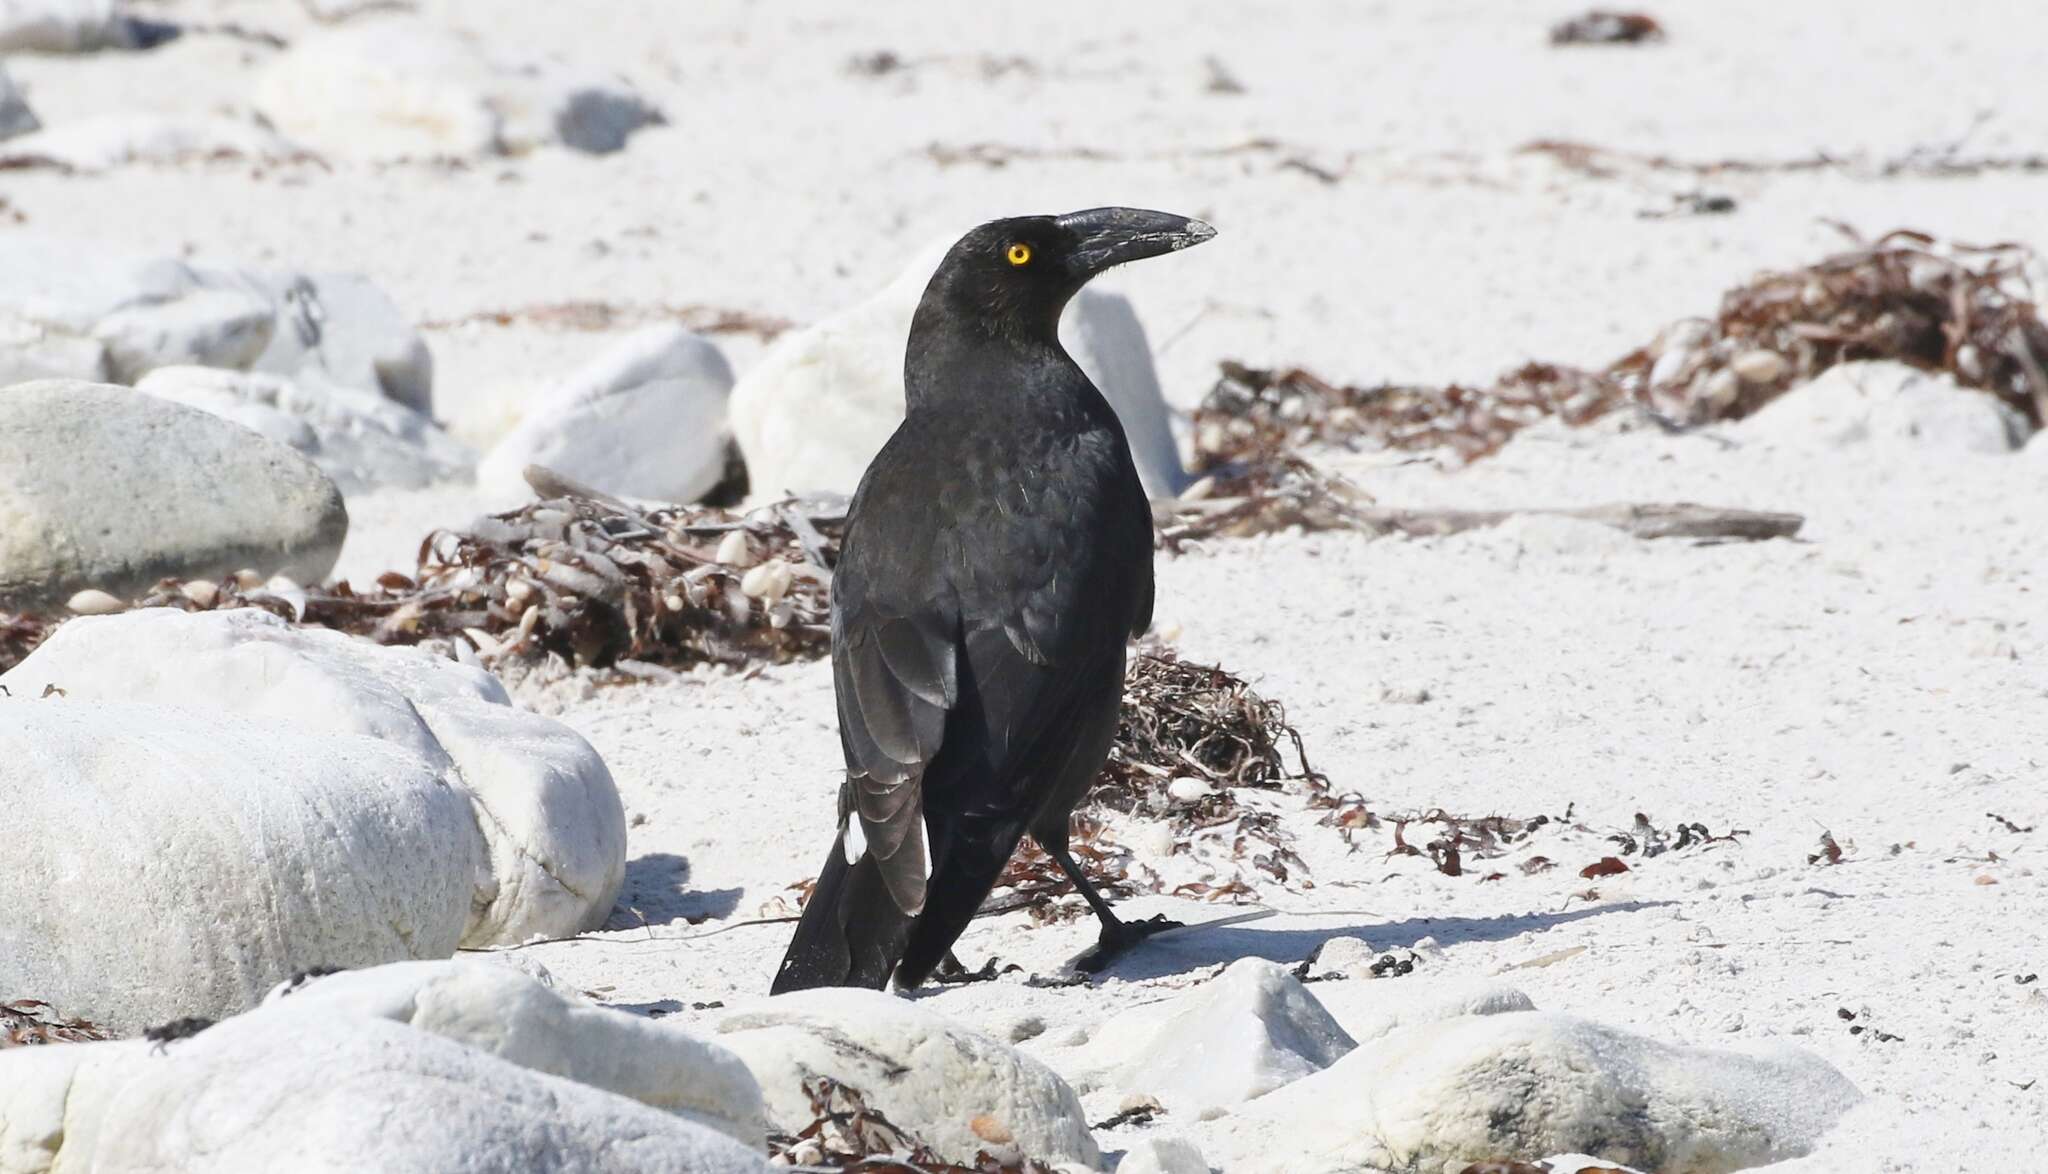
(1112, 236)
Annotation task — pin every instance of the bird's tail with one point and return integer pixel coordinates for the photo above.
(851, 932)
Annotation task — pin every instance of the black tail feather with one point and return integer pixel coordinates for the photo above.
(973, 857)
(851, 932)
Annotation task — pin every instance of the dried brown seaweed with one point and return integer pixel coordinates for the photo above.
(847, 1134)
(27, 1022)
(1601, 26)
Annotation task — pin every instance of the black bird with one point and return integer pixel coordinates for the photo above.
(997, 559)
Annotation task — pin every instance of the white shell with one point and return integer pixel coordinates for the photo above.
(94, 602)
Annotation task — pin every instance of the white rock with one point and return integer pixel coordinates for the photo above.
(1371, 1009)
(1188, 789)
(361, 439)
(1238, 1036)
(1525, 1085)
(102, 487)
(94, 602)
(645, 419)
(924, 1072)
(15, 116)
(823, 400)
(105, 141)
(61, 26)
(342, 327)
(1162, 1155)
(341, 1092)
(493, 1007)
(1892, 407)
(768, 582)
(402, 87)
(734, 550)
(549, 813)
(222, 855)
(61, 299)
(1348, 957)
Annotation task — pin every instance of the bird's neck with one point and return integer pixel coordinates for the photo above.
(958, 360)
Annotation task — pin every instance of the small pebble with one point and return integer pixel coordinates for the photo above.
(1188, 789)
(769, 581)
(1722, 388)
(1759, 366)
(247, 579)
(94, 602)
(734, 550)
(203, 592)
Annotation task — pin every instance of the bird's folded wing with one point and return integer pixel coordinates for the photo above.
(896, 677)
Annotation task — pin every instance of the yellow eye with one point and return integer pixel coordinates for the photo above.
(1020, 254)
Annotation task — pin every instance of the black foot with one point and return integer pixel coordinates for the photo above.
(951, 973)
(1114, 942)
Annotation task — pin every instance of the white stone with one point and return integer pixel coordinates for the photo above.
(207, 327)
(493, 1007)
(341, 1092)
(103, 487)
(1890, 406)
(1238, 1036)
(1535, 1083)
(164, 863)
(1372, 1008)
(926, 1073)
(1188, 789)
(1162, 1155)
(342, 327)
(822, 401)
(645, 419)
(61, 26)
(549, 813)
(404, 87)
(105, 141)
(1348, 957)
(15, 116)
(361, 439)
(94, 602)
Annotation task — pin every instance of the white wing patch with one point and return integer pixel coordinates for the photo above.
(924, 838)
(853, 839)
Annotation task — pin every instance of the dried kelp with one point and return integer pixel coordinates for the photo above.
(1601, 26)
(1968, 311)
(20, 633)
(1192, 739)
(847, 1134)
(25, 1022)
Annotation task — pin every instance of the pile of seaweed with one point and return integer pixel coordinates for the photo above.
(1965, 310)
(28, 1022)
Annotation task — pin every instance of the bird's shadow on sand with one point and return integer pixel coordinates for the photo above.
(657, 892)
(1194, 948)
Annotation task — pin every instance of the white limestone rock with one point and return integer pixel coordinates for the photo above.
(1892, 407)
(15, 116)
(644, 419)
(926, 1073)
(493, 1007)
(403, 87)
(164, 863)
(103, 487)
(1239, 1036)
(822, 401)
(339, 1092)
(106, 141)
(553, 830)
(359, 438)
(1531, 1084)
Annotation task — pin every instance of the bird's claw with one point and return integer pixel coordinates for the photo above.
(1114, 941)
(952, 973)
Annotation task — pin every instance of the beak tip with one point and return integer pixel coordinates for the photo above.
(1199, 231)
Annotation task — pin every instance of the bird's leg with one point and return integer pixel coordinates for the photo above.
(1117, 935)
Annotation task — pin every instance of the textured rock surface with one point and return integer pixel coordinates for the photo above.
(923, 1071)
(103, 487)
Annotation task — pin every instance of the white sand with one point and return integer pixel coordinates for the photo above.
(1884, 678)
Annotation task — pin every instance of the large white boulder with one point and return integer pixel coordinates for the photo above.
(823, 400)
(338, 1092)
(164, 863)
(15, 116)
(495, 1008)
(548, 811)
(644, 419)
(1238, 1036)
(359, 438)
(949, 1085)
(57, 1104)
(105, 141)
(403, 87)
(103, 487)
(1522, 1086)
(79, 309)
(1890, 406)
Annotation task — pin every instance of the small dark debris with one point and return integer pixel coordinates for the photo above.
(1601, 26)
(1830, 851)
(879, 63)
(1844, 1013)
(2025, 979)
(1221, 80)
(305, 976)
(1388, 966)
(164, 1034)
(1140, 1114)
(2009, 825)
(713, 1005)
(1605, 866)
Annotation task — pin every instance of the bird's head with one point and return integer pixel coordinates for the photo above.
(1016, 275)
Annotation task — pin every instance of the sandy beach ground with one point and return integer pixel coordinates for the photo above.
(1882, 679)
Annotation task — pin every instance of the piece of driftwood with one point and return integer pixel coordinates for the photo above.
(1644, 520)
